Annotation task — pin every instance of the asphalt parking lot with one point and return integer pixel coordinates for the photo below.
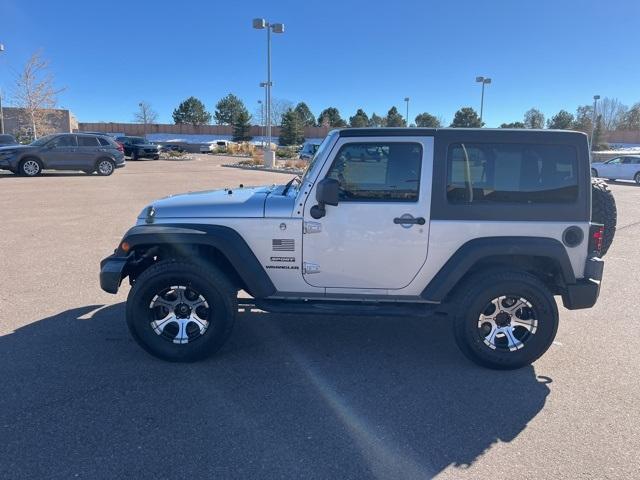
(288, 396)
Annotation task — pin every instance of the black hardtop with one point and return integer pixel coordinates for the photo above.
(487, 134)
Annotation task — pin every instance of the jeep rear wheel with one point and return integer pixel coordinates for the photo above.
(181, 312)
(505, 319)
(604, 211)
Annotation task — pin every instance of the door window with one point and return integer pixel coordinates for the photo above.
(64, 141)
(615, 161)
(87, 141)
(378, 171)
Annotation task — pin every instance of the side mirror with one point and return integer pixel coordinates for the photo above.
(327, 193)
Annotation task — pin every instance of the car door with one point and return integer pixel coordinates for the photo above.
(87, 153)
(59, 152)
(376, 238)
(610, 169)
(627, 168)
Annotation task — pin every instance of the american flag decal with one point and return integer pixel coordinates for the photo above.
(283, 245)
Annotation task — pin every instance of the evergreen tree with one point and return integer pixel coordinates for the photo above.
(533, 118)
(242, 127)
(360, 119)
(562, 120)
(291, 130)
(512, 125)
(227, 109)
(584, 119)
(331, 117)
(191, 112)
(427, 120)
(305, 115)
(466, 117)
(394, 119)
(376, 121)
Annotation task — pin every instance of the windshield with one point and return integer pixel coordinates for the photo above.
(42, 140)
(320, 152)
(138, 141)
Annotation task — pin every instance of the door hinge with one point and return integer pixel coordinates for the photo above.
(310, 267)
(312, 227)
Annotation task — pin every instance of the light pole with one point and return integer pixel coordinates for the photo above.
(261, 24)
(406, 99)
(484, 81)
(593, 119)
(1, 111)
(261, 122)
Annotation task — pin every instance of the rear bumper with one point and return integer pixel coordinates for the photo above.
(112, 270)
(584, 293)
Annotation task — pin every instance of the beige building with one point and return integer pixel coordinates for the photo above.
(17, 122)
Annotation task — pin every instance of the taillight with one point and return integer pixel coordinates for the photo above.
(120, 146)
(596, 237)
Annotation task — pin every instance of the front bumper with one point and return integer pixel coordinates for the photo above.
(584, 293)
(112, 271)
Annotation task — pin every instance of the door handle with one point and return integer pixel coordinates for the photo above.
(409, 220)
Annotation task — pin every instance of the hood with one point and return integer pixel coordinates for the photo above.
(240, 202)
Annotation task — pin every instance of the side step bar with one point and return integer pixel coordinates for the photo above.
(327, 307)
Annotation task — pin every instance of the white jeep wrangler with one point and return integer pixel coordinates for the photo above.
(484, 225)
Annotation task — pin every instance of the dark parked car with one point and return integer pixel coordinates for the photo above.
(7, 140)
(64, 151)
(139, 147)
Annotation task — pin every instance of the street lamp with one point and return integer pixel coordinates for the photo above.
(261, 122)
(406, 99)
(1, 111)
(484, 81)
(262, 24)
(594, 116)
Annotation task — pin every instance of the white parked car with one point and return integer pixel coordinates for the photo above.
(625, 167)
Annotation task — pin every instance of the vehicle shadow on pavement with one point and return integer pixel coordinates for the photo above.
(287, 397)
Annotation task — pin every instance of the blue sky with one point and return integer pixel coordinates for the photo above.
(348, 54)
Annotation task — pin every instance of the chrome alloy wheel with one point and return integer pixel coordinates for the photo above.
(179, 314)
(31, 168)
(105, 167)
(507, 323)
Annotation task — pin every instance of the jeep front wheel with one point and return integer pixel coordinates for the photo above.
(181, 312)
(504, 320)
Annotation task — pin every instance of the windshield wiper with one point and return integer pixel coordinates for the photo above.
(289, 183)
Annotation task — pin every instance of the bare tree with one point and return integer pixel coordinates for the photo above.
(35, 94)
(612, 111)
(279, 107)
(145, 114)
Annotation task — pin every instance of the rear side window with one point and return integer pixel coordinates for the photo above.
(481, 173)
(378, 172)
(104, 142)
(87, 141)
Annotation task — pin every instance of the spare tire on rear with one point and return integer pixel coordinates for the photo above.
(604, 211)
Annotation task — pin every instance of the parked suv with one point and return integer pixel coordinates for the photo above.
(485, 226)
(139, 147)
(64, 151)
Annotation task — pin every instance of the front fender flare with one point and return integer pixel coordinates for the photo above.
(224, 239)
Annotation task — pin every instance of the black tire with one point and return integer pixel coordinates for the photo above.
(156, 157)
(30, 167)
(594, 173)
(134, 155)
(105, 167)
(604, 211)
(636, 178)
(476, 294)
(208, 282)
